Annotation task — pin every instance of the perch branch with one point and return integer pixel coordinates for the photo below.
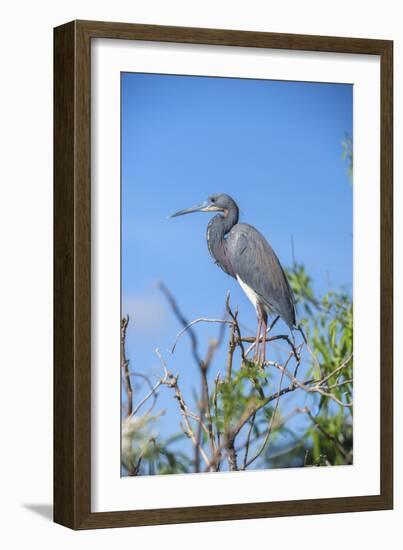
(252, 339)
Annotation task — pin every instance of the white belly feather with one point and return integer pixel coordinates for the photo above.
(250, 293)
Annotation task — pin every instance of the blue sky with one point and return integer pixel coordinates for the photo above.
(275, 147)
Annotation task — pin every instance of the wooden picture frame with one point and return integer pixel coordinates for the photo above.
(72, 272)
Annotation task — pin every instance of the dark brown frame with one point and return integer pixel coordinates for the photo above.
(72, 267)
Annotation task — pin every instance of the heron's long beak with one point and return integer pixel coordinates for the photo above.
(204, 207)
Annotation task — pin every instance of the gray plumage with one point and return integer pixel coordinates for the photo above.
(255, 262)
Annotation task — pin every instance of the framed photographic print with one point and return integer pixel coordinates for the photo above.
(223, 275)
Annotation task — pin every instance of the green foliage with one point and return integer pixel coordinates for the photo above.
(329, 328)
(239, 394)
(328, 323)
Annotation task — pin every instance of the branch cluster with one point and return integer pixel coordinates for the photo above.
(235, 415)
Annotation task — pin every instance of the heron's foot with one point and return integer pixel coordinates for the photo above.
(259, 361)
(259, 356)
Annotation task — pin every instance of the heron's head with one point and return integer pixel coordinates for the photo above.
(215, 203)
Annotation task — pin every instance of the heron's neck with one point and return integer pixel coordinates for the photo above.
(223, 223)
(220, 225)
(217, 228)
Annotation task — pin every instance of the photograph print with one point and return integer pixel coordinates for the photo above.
(236, 274)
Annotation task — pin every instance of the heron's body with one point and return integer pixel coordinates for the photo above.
(244, 254)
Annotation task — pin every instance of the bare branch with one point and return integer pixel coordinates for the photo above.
(191, 324)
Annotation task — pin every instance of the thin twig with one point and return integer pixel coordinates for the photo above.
(151, 393)
(236, 327)
(267, 438)
(215, 401)
(308, 347)
(124, 363)
(248, 440)
(205, 409)
(342, 366)
(182, 319)
(339, 384)
(230, 354)
(204, 402)
(134, 471)
(309, 389)
(251, 409)
(172, 382)
(329, 436)
(191, 324)
(258, 435)
(236, 339)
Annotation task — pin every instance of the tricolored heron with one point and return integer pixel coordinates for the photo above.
(242, 252)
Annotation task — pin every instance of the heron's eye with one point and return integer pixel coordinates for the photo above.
(212, 199)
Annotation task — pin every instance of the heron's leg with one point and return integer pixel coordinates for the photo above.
(259, 325)
(264, 328)
(262, 317)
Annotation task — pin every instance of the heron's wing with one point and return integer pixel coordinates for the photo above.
(257, 265)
